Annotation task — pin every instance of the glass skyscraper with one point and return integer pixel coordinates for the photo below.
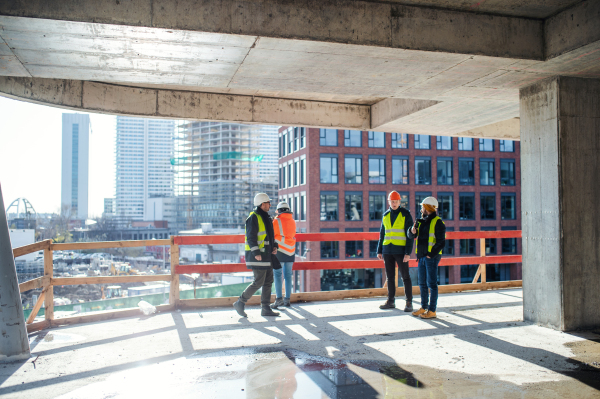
(75, 165)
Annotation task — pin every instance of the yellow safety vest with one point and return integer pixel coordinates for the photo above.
(431, 240)
(262, 234)
(394, 235)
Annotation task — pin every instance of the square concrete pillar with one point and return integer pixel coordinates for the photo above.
(560, 183)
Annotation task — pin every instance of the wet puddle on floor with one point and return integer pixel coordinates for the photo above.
(268, 373)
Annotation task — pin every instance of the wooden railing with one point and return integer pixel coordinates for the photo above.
(48, 281)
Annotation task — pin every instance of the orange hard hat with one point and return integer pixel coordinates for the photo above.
(394, 196)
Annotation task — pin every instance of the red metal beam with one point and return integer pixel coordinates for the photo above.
(345, 264)
(319, 237)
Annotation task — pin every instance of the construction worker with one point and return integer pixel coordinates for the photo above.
(260, 245)
(430, 233)
(284, 227)
(394, 248)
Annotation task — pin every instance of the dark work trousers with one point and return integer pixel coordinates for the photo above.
(262, 278)
(390, 261)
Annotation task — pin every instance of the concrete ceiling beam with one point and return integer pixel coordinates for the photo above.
(390, 110)
(176, 104)
(572, 29)
(351, 22)
(509, 129)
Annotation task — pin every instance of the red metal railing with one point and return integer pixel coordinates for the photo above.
(345, 264)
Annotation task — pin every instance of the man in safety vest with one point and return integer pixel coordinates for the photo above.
(260, 245)
(430, 233)
(284, 227)
(394, 248)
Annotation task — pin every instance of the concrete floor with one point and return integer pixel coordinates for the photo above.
(477, 347)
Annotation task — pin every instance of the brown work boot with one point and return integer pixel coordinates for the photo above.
(388, 305)
(408, 307)
(428, 315)
(419, 312)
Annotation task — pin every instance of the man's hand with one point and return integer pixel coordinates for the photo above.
(258, 257)
(413, 230)
(406, 258)
(379, 256)
(274, 251)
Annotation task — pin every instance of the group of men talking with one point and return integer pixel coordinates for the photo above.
(271, 245)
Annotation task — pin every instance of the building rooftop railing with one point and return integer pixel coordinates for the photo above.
(48, 281)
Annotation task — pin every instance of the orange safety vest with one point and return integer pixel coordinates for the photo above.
(285, 233)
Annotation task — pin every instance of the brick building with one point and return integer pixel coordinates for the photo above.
(338, 181)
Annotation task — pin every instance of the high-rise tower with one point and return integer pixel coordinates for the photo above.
(75, 165)
(143, 168)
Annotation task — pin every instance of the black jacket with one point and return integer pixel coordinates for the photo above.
(396, 249)
(252, 239)
(423, 236)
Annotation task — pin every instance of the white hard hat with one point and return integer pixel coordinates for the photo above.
(260, 198)
(283, 205)
(430, 201)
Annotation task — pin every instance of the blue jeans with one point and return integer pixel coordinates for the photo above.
(428, 276)
(286, 269)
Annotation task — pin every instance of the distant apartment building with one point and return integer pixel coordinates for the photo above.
(269, 149)
(218, 173)
(339, 181)
(144, 148)
(75, 165)
(109, 207)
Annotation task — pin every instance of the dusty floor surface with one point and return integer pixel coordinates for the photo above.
(477, 347)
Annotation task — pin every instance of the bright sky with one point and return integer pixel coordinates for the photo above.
(30, 156)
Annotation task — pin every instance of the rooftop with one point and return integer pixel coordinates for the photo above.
(478, 346)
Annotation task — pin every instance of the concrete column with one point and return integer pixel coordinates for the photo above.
(14, 344)
(560, 171)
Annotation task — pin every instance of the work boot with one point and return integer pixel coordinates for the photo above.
(388, 305)
(278, 302)
(419, 312)
(408, 307)
(286, 302)
(267, 311)
(428, 315)
(239, 307)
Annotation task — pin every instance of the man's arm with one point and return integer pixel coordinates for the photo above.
(252, 234)
(408, 222)
(380, 243)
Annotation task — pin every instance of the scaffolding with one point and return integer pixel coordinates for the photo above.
(217, 169)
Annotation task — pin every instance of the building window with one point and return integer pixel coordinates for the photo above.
(449, 247)
(446, 206)
(488, 206)
(302, 171)
(399, 170)
(281, 178)
(302, 137)
(444, 143)
(507, 172)
(422, 142)
(486, 172)
(376, 169)
(465, 144)
(419, 197)
(330, 249)
(352, 138)
(507, 146)
(296, 210)
(422, 170)
(376, 139)
(404, 201)
(376, 206)
(303, 207)
(290, 142)
(509, 245)
(329, 169)
(509, 206)
(284, 144)
(486, 145)
(466, 172)
(444, 171)
(466, 204)
(354, 249)
(353, 169)
(295, 173)
(290, 175)
(399, 140)
(490, 243)
(296, 138)
(353, 206)
(280, 146)
(329, 206)
(467, 246)
(373, 243)
(328, 137)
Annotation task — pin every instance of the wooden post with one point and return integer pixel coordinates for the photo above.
(49, 274)
(174, 293)
(36, 308)
(482, 252)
